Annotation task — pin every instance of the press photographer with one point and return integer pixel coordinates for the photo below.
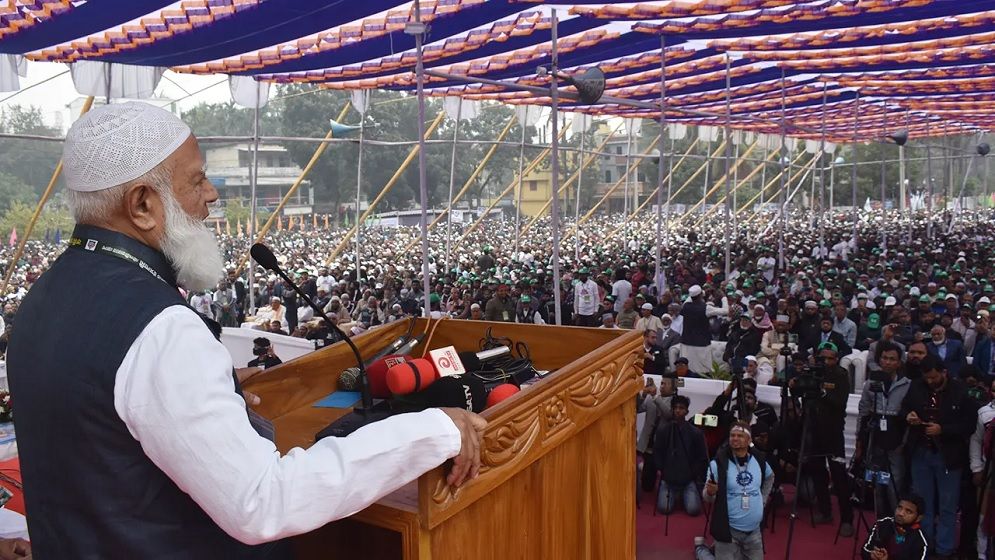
(659, 414)
(824, 388)
(739, 481)
(734, 404)
(941, 417)
(881, 429)
(262, 349)
(679, 451)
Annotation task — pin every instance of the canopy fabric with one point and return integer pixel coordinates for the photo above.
(842, 70)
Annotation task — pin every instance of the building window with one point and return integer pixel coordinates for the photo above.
(618, 150)
(244, 158)
(533, 185)
(608, 175)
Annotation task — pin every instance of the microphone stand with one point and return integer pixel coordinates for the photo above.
(369, 411)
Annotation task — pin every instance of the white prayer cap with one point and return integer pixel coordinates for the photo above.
(117, 143)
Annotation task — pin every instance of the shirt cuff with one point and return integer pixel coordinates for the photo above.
(452, 440)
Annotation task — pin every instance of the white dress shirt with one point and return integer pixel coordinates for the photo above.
(174, 391)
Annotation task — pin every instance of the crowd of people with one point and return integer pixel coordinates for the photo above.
(919, 305)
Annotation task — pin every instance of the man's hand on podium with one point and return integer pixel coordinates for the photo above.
(471, 429)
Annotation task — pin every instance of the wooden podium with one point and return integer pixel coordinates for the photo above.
(558, 479)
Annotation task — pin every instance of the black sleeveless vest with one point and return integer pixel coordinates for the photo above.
(89, 489)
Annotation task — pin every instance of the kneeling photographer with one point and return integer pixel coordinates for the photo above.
(730, 406)
(824, 388)
(681, 458)
(262, 349)
(881, 429)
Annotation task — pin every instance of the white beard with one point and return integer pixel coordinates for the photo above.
(192, 249)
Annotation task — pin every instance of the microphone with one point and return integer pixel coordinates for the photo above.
(464, 392)
(411, 376)
(474, 361)
(376, 368)
(265, 257)
(500, 393)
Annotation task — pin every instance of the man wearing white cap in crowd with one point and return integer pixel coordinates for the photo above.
(275, 312)
(647, 320)
(696, 338)
(134, 439)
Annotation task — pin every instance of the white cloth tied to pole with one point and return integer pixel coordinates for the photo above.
(633, 126)
(708, 133)
(13, 67)
(248, 92)
(527, 116)
(677, 131)
(469, 111)
(126, 81)
(360, 98)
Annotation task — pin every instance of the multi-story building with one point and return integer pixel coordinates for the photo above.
(612, 169)
(229, 167)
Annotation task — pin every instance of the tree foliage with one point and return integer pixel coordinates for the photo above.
(31, 162)
(54, 217)
(13, 189)
(237, 211)
(229, 119)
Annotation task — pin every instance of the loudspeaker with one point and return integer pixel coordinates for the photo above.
(900, 137)
(590, 85)
(983, 149)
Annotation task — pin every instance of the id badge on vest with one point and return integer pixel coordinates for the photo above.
(883, 424)
(746, 502)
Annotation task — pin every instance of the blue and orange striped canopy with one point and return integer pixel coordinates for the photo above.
(849, 69)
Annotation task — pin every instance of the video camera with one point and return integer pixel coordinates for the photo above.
(809, 381)
(876, 380)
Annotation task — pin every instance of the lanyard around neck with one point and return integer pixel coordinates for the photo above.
(96, 246)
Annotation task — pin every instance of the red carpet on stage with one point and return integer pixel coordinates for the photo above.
(808, 543)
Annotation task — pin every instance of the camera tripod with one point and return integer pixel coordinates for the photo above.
(870, 466)
(737, 389)
(808, 415)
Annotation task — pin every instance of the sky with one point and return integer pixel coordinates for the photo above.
(54, 96)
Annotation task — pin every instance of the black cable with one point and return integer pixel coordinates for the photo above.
(506, 368)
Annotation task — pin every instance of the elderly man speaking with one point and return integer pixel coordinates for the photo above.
(133, 435)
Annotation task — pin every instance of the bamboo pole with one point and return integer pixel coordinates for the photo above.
(721, 180)
(769, 183)
(570, 180)
(612, 233)
(614, 187)
(38, 209)
(672, 196)
(734, 189)
(677, 165)
(801, 171)
(515, 181)
(466, 185)
(275, 215)
(383, 192)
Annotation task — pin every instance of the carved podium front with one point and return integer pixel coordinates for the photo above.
(558, 474)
